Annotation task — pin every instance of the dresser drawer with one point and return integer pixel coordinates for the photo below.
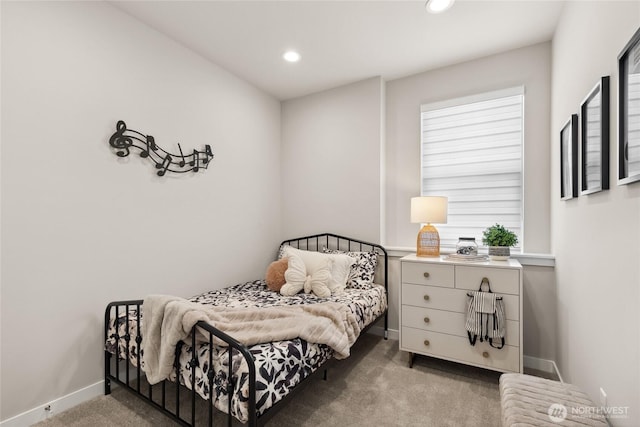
(450, 322)
(451, 299)
(433, 297)
(447, 322)
(502, 280)
(423, 273)
(458, 349)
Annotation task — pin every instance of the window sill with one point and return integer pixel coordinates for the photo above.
(540, 260)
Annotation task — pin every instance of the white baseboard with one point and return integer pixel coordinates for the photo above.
(544, 365)
(56, 406)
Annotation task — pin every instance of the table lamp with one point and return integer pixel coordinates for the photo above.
(425, 210)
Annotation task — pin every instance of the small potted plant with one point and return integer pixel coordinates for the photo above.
(499, 240)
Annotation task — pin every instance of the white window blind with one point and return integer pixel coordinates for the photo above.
(472, 153)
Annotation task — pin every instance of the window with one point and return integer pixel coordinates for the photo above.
(471, 152)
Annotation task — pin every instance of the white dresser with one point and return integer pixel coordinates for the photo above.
(433, 305)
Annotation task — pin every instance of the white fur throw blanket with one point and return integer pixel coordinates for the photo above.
(169, 319)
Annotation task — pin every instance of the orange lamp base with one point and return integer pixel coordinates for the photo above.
(428, 242)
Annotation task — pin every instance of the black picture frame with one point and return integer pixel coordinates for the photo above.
(569, 159)
(594, 139)
(629, 112)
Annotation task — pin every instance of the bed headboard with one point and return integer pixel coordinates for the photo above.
(332, 241)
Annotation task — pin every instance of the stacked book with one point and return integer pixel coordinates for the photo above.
(467, 258)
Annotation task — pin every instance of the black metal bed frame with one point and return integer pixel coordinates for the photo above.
(113, 370)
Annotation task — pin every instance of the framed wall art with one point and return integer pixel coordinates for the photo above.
(569, 159)
(629, 112)
(594, 141)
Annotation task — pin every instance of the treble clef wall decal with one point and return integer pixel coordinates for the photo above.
(124, 139)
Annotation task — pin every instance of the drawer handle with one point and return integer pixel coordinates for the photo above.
(426, 342)
(485, 354)
(426, 274)
(426, 297)
(426, 320)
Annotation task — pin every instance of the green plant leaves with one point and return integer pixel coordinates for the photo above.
(497, 235)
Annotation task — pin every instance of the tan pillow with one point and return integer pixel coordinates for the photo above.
(275, 274)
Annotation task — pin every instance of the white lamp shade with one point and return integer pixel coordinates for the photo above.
(429, 209)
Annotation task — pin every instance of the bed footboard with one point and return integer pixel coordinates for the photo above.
(118, 368)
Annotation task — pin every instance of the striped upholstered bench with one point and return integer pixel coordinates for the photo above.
(532, 401)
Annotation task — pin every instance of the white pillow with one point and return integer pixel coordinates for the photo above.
(313, 261)
(362, 271)
(297, 278)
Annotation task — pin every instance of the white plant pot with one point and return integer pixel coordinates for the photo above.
(499, 253)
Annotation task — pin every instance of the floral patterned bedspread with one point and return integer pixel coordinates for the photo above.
(280, 366)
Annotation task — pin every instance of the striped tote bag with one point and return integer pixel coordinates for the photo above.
(486, 318)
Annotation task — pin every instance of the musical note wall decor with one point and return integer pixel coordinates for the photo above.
(124, 139)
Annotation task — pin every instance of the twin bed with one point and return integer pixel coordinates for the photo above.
(259, 376)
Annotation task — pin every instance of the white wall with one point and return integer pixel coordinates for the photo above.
(598, 272)
(81, 227)
(331, 148)
(528, 66)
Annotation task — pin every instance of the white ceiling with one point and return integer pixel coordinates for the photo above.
(343, 41)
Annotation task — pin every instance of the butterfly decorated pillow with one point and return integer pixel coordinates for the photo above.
(297, 278)
(339, 266)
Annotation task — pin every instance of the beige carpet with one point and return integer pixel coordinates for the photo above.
(374, 386)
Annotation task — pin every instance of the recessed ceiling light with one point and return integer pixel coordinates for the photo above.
(291, 56)
(437, 6)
